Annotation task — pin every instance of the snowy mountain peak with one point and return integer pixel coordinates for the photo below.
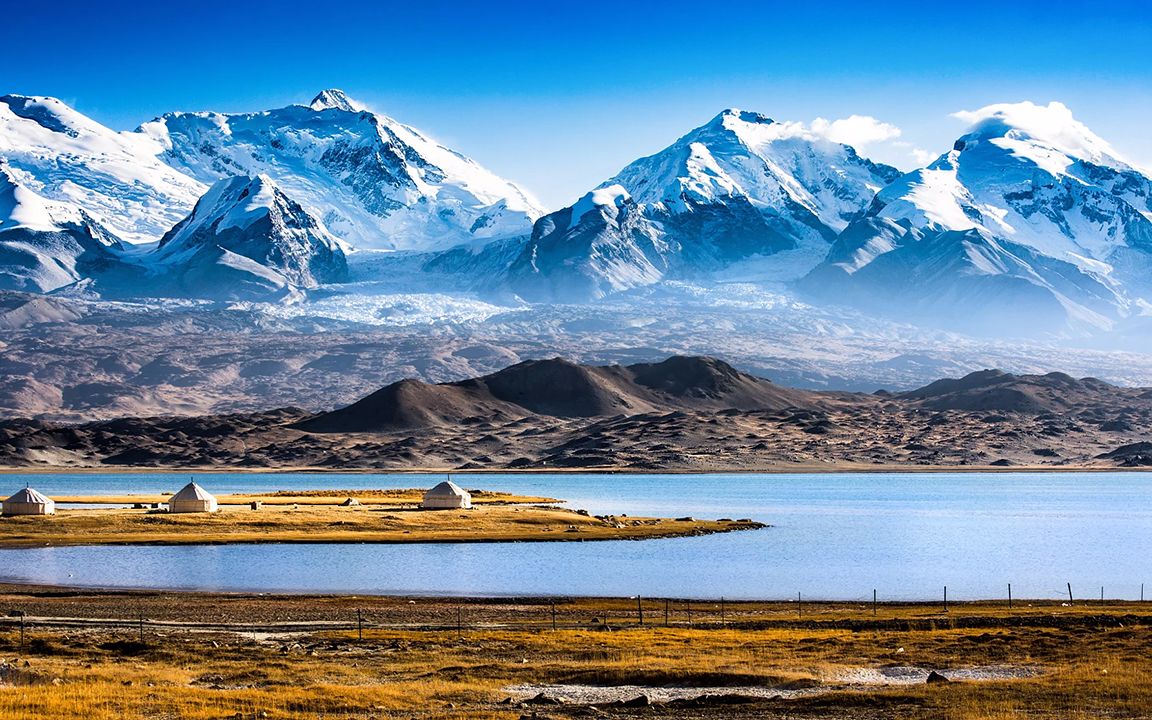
(779, 167)
(1040, 133)
(741, 187)
(238, 203)
(246, 228)
(333, 99)
(235, 203)
(1030, 209)
(50, 114)
(375, 182)
(731, 116)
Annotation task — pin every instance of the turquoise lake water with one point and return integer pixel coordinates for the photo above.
(832, 537)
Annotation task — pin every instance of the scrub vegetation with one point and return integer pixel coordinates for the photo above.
(437, 658)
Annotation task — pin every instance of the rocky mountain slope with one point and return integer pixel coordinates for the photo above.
(246, 239)
(679, 414)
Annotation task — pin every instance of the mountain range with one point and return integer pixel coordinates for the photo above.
(1030, 223)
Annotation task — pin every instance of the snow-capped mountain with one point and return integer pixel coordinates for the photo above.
(246, 239)
(116, 177)
(46, 245)
(739, 187)
(374, 182)
(1029, 198)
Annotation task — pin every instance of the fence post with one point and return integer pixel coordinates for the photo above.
(459, 623)
(945, 598)
(1101, 594)
(553, 614)
(667, 603)
(688, 605)
(799, 607)
(873, 602)
(1069, 593)
(640, 609)
(1009, 596)
(360, 624)
(723, 620)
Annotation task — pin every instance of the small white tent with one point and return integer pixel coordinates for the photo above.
(447, 496)
(192, 499)
(29, 502)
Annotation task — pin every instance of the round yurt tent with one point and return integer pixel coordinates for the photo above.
(192, 499)
(29, 502)
(446, 496)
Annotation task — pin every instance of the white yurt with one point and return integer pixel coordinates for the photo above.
(192, 499)
(29, 502)
(447, 496)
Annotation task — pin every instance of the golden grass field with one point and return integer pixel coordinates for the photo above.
(311, 518)
(1093, 659)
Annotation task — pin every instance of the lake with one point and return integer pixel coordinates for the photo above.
(833, 536)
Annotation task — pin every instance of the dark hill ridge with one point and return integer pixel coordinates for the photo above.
(559, 388)
(994, 390)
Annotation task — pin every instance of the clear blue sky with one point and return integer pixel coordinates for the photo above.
(559, 96)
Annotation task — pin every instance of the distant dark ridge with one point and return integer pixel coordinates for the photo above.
(1004, 392)
(560, 388)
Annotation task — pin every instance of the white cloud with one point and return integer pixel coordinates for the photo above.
(859, 131)
(873, 138)
(922, 157)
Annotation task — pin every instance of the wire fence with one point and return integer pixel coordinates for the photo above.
(261, 618)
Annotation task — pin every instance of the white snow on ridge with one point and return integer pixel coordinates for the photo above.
(116, 177)
(610, 198)
(1020, 173)
(746, 154)
(22, 208)
(375, 182)
(1025, 126)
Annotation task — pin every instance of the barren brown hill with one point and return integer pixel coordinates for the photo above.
(993, 390)
(685, 413)
(559, 388)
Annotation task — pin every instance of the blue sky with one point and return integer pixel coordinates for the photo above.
(559, 96)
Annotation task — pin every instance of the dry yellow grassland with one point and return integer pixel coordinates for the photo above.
(1092, 662)
(300, 522)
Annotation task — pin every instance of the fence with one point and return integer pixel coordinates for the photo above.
(260, 616)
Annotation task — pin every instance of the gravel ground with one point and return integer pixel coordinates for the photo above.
(847, 679)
